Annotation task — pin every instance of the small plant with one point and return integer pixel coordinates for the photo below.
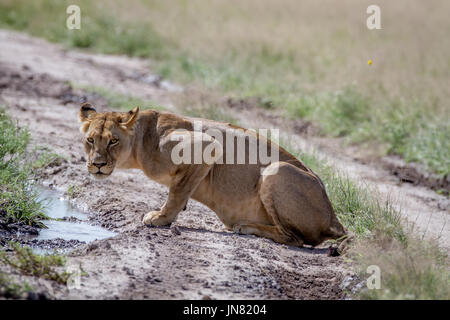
(28, 263)
(11, 289)
(46, 158)
(72, 191)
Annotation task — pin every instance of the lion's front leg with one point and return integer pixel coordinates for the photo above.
(182, 187)
(187, 176)
(176, 201)
(157, 219)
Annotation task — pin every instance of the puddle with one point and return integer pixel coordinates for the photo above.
(56, 206)
(59, 207)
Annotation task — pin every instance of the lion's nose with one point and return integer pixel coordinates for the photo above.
(99, 164)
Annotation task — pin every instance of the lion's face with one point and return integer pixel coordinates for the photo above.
(107, 139)
(104, 144)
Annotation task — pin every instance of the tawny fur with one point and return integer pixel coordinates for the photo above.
(290, 206)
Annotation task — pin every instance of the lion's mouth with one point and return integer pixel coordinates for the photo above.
(100, 175)
(101, 172)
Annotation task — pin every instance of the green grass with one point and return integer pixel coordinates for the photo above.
(101, 31)
(73, 190)
(18, 198)
(402, 129)
(209, 113)
(45, 157)
(28, 263)
(208, 110)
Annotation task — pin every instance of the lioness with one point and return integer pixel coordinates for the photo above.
(284, 201)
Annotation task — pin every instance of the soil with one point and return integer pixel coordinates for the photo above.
(196, 258)
(7, 228)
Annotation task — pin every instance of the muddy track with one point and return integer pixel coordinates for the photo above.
(196, 258)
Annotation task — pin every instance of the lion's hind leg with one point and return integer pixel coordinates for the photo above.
(267, 231)
(296, 201)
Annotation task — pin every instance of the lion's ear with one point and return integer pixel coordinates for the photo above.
(130, 118)
(86, 110)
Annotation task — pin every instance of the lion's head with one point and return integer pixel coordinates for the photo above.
(107, 138)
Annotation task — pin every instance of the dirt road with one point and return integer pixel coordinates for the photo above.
(196, 258)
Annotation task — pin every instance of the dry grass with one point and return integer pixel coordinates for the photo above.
(327, 42)
(324, 44)
(411, 271)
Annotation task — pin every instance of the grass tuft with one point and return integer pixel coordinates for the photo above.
(18, 199)
(28, 263)
(45, 158)
(11, 289)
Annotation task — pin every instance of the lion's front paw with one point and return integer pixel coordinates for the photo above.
(155, 218)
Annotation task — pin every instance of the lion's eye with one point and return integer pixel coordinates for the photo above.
(90, 140)
(113, 141)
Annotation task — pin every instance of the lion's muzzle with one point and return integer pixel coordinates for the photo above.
(100, 170)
